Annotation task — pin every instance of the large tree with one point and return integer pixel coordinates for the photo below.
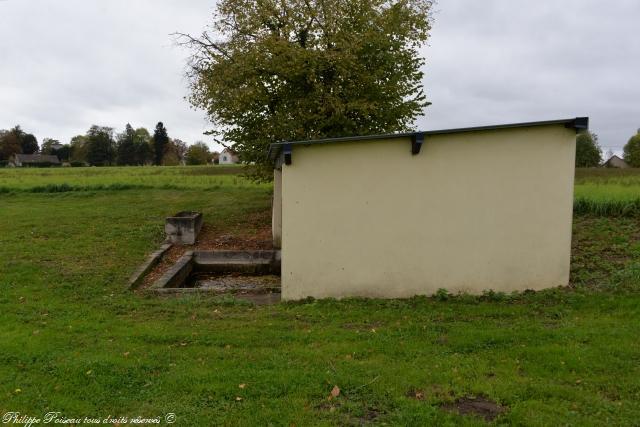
(180, 148)
(632, 151)
(48, 145)
(299, 69)
(126, 150)
(100, 146)
(144, 146)
(588, 152)
(29, 143)
(9, 144)
(17, 141)
(198, 154)
(160, 141)
(56, 148)
(78, 146)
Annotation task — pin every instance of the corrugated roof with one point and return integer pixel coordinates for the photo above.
(578, 123)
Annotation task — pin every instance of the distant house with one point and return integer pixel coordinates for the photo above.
(228, 157)
(616, 162)
(34, 160)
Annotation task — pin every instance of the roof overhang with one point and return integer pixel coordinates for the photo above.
(281, 152)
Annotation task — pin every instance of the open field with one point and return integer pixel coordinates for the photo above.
(74, 340)
(596, 185)
(51, 180)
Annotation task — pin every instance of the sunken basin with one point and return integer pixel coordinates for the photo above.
(183, 227)
(251, 275)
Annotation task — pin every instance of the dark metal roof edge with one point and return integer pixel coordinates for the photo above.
(577, 123)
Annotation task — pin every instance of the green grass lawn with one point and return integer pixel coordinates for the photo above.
(74, 340)
(50, 180)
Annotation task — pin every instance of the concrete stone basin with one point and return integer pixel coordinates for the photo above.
(183, 228)
(250, 275)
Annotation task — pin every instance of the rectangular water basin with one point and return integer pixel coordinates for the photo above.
(251, 275)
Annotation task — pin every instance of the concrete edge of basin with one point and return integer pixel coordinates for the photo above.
(152, 260)
(260, 262)
(177, 274)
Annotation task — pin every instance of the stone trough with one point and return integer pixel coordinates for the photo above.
(250, 275)
(183, 227)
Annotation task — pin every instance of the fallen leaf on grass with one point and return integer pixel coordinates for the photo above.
(242, 385)
(238, 398)
(335, 392)
(415, 394)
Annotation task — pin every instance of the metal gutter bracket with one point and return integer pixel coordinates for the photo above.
(416, 143)
(579, 124)
(287, 151)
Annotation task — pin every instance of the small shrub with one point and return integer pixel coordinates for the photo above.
(442, 294)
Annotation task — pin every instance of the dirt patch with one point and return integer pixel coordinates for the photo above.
(600, 247)
(363, 327)
(475, 406)
(211, 239)
(370, 414)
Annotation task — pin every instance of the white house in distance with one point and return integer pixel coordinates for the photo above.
(228, 157)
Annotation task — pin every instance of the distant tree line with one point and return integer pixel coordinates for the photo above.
(589, 152)
(101, 146)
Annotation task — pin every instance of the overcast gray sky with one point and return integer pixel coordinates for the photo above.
(68, 64)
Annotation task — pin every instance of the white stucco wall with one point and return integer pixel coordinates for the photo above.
(471, 212)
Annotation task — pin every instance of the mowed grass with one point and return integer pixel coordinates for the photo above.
(51, 180)
(74, 340)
